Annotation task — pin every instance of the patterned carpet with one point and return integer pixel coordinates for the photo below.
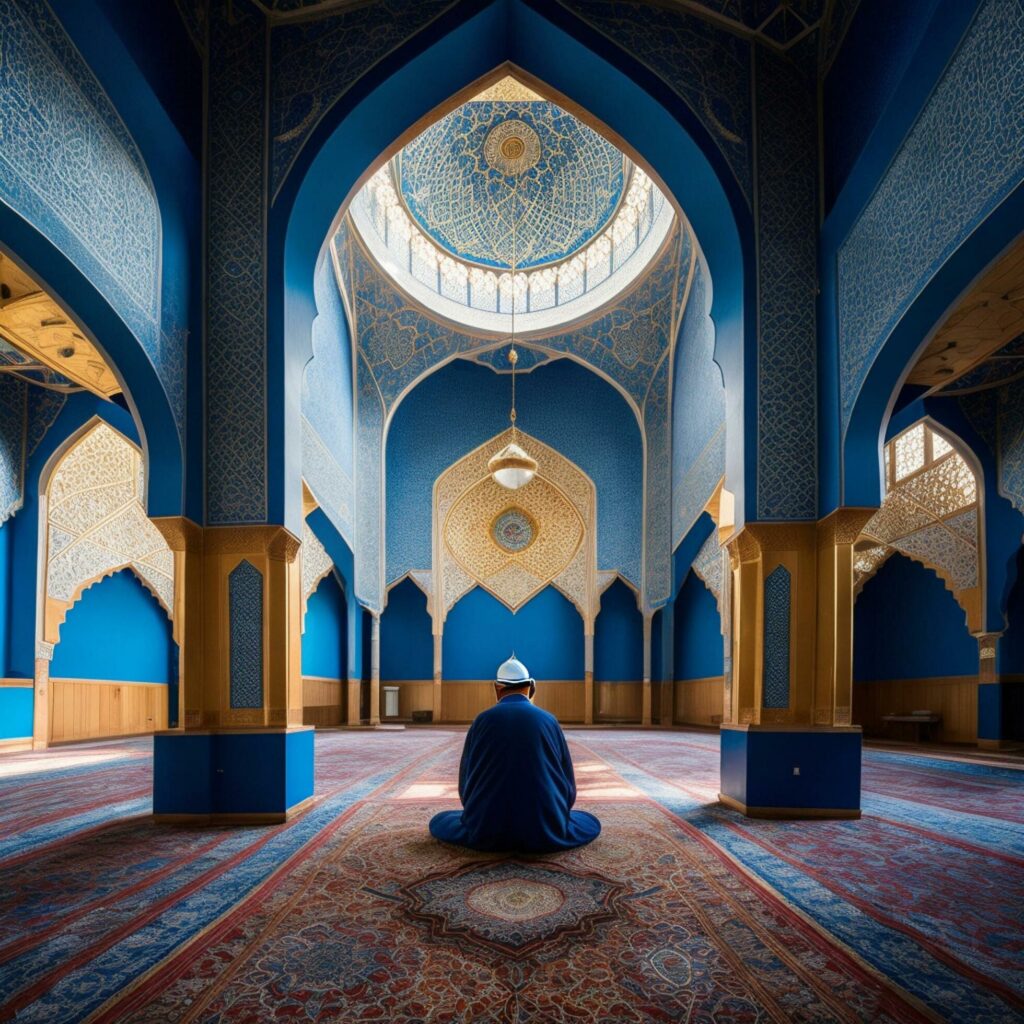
(680, 911)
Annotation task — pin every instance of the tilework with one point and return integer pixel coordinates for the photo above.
(469, 206)
(43, 409)
(776, 638)
(369, 570)
(497, 359)
(13, 399)
(625, 345)
(933, 195)
(330, 484)
(314, 63)
(245, 595)
(708, 68)
(69, 166)
(698, 410)
(236, 460)
(787, 465)
(945, 550)
(658, 505)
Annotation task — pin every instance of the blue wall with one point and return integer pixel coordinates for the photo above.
(546, 634)
(327, 404)
(698, 410)
(116, 631)
(15, 712)
(908, 626)
(698, 632)
(463, 405)
(1011, 646)
(406, 643)
(618, 636)
(325, 640)
(875, 55)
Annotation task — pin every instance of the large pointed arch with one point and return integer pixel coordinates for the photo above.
(440, 67)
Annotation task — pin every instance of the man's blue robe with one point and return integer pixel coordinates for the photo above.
(516, 784)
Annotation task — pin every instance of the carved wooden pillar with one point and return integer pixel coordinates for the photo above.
(438, 674)
(42, 696)
(645, 717)
(588, 674)
(833, 684)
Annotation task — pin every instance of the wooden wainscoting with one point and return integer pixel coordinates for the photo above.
(463, 699)
(699, 701)
(91, 709)
(413, 695)
(619, 701)
(953, 697)
(323, 701)
(564, 698)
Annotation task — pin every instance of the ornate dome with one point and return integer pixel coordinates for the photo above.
(498, 162)
(439, 217)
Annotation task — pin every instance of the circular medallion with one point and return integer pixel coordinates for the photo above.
(512, 147)
(515, 899)
(513, 530)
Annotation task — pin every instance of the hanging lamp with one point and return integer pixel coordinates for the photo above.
(513, 467)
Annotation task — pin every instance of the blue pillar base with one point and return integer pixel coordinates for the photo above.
(244, 776)
(791, 771)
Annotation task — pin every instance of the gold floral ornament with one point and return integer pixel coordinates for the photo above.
(514, 552)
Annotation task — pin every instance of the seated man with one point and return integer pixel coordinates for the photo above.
(516, 780)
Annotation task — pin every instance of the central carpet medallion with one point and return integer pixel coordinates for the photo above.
(510, 906)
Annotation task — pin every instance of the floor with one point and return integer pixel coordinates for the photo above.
(680, 911)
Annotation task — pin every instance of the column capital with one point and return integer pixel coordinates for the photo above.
(180, 532)
(843, 526)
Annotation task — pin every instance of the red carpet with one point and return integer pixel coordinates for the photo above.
(679, 911)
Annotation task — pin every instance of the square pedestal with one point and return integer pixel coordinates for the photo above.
(241, 775)
(791, 771)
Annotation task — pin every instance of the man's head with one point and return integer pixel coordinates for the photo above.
(514, 677)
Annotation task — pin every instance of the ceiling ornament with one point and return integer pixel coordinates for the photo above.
(96, 525)
(41, 344)
(440, 216)
(515, 550)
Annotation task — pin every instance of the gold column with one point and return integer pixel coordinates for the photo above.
(588, 674)
(375, 670)
(42, 696)
(833, 683)
(755, 553)
(185, 539)
(438, 672)
(203, 562)
(647, 701)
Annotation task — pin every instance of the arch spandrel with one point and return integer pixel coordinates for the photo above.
(559, 506)
(96, 525)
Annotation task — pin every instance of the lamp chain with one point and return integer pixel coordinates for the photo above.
(513, 356)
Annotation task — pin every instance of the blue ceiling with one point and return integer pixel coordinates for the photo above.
(468, 204)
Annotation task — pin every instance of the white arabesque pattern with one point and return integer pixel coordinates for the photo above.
(96, 523)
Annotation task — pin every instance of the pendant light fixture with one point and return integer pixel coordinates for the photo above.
(512, 467)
